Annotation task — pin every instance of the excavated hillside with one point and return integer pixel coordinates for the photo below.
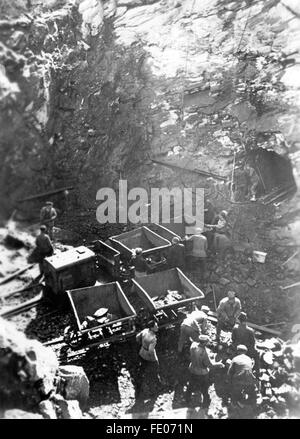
(92, 91)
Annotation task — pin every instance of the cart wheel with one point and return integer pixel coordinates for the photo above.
(72, 338)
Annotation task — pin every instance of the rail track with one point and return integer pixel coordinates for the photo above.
(13, 311)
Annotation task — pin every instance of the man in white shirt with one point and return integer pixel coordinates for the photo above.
(192, 326)
(197, 251)
(228, 312)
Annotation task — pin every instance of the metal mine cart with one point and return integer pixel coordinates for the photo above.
(108, 258)
(102, 314)
(166, 293)
(66, 270)
(151, 243)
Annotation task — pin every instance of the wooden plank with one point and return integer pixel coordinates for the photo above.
(26, 287)
(213, 317)
(195, 171)
(45, 194)
(15, 274)
(296, 284)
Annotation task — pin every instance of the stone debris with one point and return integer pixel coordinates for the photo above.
(67, 409)
(167, 299)
(25, 364)
(74, 384)
(47, 409)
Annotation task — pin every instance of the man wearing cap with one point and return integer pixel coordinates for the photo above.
(241, 376)
(176, 254)
(141, 266)
(47, 216)
(242, 334)
(192, 326)
(148, 364)
(199, 368)
(44, 246)
(228, 312)
(198, 252)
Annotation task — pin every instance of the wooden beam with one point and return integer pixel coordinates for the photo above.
(195, 171)
(296, 284)
(213, 317)
(15, 274)
(45, 194)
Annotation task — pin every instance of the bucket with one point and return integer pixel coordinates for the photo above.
(259, 256)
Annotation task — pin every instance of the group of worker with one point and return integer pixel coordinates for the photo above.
(191, 252)
(192, 344)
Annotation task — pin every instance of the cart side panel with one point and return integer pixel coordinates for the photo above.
(108, 257)
(124, 302)
(143, 295)
(155, 239)
(70, 296)
(142, 237)
(164, 232)
(188, 287)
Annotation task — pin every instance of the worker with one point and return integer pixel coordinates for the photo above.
(242, 334)
(253, 181)
(44, 246)
(222, 245)
(209, 212)
(148, 360)
(220, 226)
(47, 216)
(192, 326)
(241, 378)
(199, 368)
(198, 252)
(176, 254)
(141, 266)
(228, 312)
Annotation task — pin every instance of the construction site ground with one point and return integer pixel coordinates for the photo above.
(112, 370)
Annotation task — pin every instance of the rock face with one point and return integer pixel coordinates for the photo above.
(91, 89)
(27, 368)
(75, 384)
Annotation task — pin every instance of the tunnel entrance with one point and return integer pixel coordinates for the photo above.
(275, 172)
(264, 175)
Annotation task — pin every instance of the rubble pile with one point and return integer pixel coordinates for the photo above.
(167, 299)
(28, 369)
(32, 380)
(279, 377)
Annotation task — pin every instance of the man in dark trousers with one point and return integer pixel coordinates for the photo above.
(199, 369)
(148, 361)
(176, 255)
(242, 334)
(242, 380)
(44, 246)
(47, 216)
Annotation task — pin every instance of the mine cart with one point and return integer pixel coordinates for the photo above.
(165, 294)
(102, 315)
(108, 258)
(152, 244)
(69, 269)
